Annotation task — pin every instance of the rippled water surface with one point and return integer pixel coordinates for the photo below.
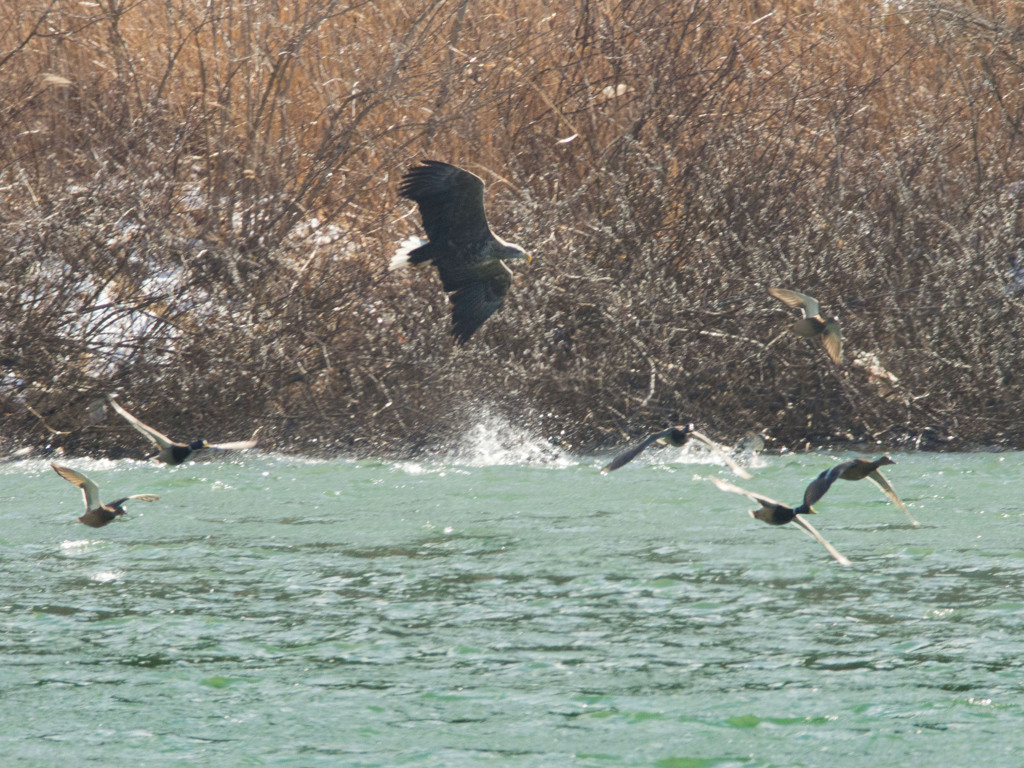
(279, 611)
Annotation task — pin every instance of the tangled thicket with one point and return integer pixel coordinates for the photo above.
(199, 206)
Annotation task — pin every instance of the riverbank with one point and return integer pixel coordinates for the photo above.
(198, 215)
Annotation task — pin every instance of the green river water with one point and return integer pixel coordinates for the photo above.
(508, 607)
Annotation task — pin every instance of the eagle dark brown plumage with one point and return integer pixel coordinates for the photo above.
(468, 256)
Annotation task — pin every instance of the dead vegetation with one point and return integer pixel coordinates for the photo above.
(199, 207)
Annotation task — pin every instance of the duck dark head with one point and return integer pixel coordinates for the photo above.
(176, 453)
(677, 436)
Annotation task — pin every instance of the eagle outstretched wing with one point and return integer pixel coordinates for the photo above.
(451, 203)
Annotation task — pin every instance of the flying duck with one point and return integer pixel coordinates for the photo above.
(812, 323)
(776, 513)
(858, 469)
(676, 437)
(97, 514)
(171, 452)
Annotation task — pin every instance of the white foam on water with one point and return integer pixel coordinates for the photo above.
(495, 441)
(491, 442)
(77, 546)
(695, 452)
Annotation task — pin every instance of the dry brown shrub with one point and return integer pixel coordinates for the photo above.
(199, 205)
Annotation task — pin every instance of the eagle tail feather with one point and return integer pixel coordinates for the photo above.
(412, 250)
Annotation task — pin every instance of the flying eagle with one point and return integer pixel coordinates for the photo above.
(467, 254)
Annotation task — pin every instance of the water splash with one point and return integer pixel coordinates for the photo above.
(495, 441)
(695, 452)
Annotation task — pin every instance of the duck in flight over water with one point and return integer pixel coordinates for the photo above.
(776, 513)
(676, 437)
(172, 452)
(97, 514)
(858, 469)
